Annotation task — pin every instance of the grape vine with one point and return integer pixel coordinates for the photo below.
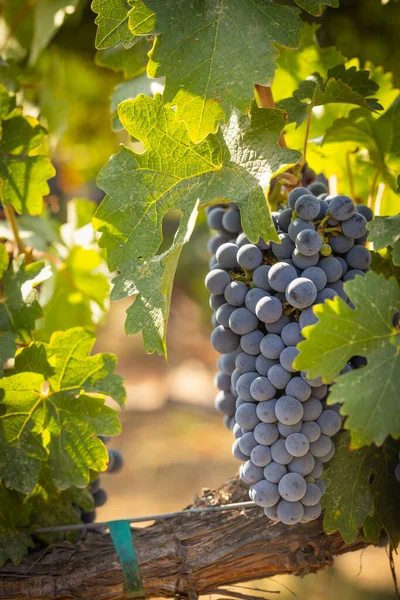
(297, 177)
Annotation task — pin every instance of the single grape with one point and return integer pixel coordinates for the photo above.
(307, 207)
(352, 273)
(341, 208)
(226, 255)
(341, 243)
(303, 262)
(337, 286)
(260, 455)
(266, 433)
(301, 293)
(312, 495)
(359, 361)
(212, 262)
(311, 513)
(249, 256)
(278, 325)
(295, 194)
(226, 363)
(326, 294)
(237, 431)
(100, 498)
(355, 227)
(320, 391)
(252, 473)
(243, 385)
(242, 476)
(297, 444)
(365, 211)
(292, 487)
(317, 382)
(326, 250)
(321, 446)
(298, 388)
(272, 512)
(318, 469)
(311, 430)
(359, 257)
(298, 225)
(284, 219)
(225, 403)
(286, 430)
(235, 293)
(279, 453)
(215, 242)
(307, 317)
(312, 409)
(214, 218)
(317, 188)
(216, 281)
(242, 321)
(95, 485)
(330, 422)
(260, 278)
(280, 275)
(266, 411)
(247, 443)
(302, 465)
(288, 410)
(261, 389)
(263, 364)
(252, 298)
(88, 516)
(223, 313)
(317, 275)
(231, 220)
(274, 472)
(265, 493)
(250, 342)
(323, 207)
(245, 363)
(246, 415)
(237, 453)
(308, 242)
(271, 346)
(327, 457)
(269, 309)
(284, 249)
(216, 301)
(291, 334)
(223, 340)
(222, 382)
(279, 377)
(290, 513)
(332, 268)
(287, 357)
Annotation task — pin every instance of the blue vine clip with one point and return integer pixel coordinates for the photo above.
(121, 535)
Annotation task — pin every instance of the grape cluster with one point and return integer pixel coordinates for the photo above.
(115, 464)
(262, 296)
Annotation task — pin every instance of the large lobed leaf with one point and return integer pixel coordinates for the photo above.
(385, 231)
(52, 408)
(361, 486)
(173, 173)
(369, 395)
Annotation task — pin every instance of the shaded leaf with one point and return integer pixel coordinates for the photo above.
(131, 61)
(112, 23)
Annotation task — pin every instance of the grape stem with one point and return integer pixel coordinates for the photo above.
(12, 222)
(308, 123)
(372, 193)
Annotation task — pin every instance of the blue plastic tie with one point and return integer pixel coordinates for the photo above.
(121, 535)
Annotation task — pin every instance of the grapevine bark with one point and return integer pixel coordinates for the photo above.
(179, 557)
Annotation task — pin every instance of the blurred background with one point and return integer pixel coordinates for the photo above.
(172, 440)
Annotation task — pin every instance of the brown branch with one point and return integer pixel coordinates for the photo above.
(180, 557)
(12, 222)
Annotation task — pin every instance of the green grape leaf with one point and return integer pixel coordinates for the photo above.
(173, 173)
(194, 48)
(19, 307)
(314, 7)
(24, 163)
(396, 253)
(129, 90)
(14, 518)
(383, 264)
(49, 15)
(52, 408)
(359, 485)
(7, 347)
(131, 61)
(384, 231)
(368, 395)
(112, 24)
(151, 283)
(348, 86)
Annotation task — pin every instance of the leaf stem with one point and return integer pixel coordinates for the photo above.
(372, 193)
(12, 222)
(308, 123)
(266, 100)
